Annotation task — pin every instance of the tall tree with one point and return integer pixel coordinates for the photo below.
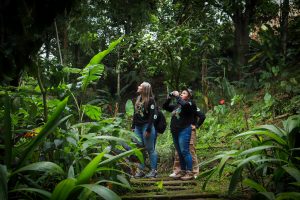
(285, 8)
(22, 25)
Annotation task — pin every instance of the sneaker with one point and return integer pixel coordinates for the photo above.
(173, 174)
(188, 176)
(152, 174)
(139, 174)
(178, 174)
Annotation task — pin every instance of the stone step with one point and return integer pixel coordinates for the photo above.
(165, 182)
(165, 187)
(175, 195)
(168, 188)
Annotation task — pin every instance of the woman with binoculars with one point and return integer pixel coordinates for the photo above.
(181, 121)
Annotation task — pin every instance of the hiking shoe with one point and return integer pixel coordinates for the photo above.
(173, 174)
(178, 174)
(139, 174)
(151, 174)
(188, 176)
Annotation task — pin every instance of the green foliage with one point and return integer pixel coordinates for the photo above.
(60, 139)
(268, 148)
(184, 43)
(52, 123)
(42, 167)
(93, 70)
(3, 182)
(93, 112)
(129, 108)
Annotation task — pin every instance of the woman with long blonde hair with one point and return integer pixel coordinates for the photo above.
(144, 129)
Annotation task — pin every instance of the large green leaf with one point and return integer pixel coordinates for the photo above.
(35, 190)
(222, 164)
(291, 123)
(278, 131)
(93, 112)
(51, 124)
(296, 184)
(266, 133)
(113, 182)
(269, 195)
(235, 179)
(71, 173)
(129, 108)
(90, 169)
(288, 195)
(292, 126)
(259, 148)
(112, 169)
(123, 180)
(220, 156)
(295, 173)
(111, 138)
(272, 160)
(93, 70)
(102, 191)
(139, 155)
(63, 189)
(209, 174)
(117, 157)
(258, 187)
(3, 182)
(98, 58)
(42, 167)
(90, 74)
(245, 161)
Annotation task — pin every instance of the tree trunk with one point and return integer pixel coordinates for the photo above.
(47, 46)
(118, 77)
(241, 19)
(44, 93)
(241, 40)
(285, 8)
(65, 42)
(204, 80)
(58, 43)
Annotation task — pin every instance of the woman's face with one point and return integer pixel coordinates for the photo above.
(184, 95)
(140, 89)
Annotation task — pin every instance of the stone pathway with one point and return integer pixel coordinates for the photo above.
(167, 188)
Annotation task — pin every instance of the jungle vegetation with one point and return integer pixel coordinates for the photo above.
(69, 73)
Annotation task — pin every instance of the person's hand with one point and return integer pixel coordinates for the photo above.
(147, 134)
(193, 126)
(176, 93)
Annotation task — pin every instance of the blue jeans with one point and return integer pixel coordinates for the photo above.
(182, 144)
(148, 143)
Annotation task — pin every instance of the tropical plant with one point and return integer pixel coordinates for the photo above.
(270, 154)
(17, 155)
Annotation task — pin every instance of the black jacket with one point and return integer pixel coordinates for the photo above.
(182, 113)
(199, 118)
(144, 115)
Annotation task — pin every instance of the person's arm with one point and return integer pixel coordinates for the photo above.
(166, 106)
(200, 118)
(151, 110)
(132, 124)
(133, 120)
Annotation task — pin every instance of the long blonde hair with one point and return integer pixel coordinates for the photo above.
(145, 95)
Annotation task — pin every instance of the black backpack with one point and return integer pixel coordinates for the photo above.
(160, 122)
